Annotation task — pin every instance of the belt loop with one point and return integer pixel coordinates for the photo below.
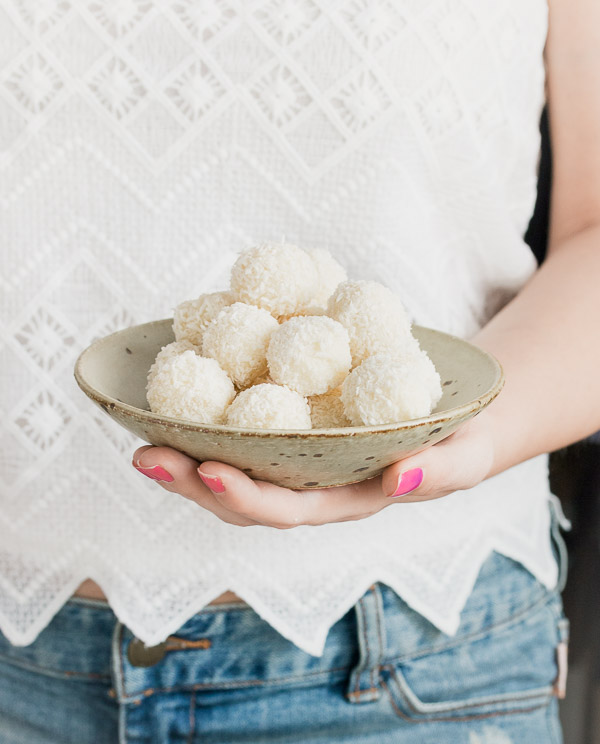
(558, 520)
(363, 685)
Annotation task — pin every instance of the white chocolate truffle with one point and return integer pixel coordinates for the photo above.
(329, 274)
(309, 354)
(269, 407)
(188, 386)
(374, 317)
(384, 390)
(168, 352)
(192, 317)
(327, 410)
(278, 277)
(238, 339)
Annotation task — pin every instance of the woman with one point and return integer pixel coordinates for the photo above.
(159, 139)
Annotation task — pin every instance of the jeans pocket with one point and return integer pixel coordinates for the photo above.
(509, 669)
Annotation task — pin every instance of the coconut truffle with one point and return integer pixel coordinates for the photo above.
(310, 354)
(312, 310)
(238, 339)
(192, 317)
(278, 277)
(329, 274)
(168, 352)
(327, 410)
(269, 407)
(384, 390)
(374, 317)
(410, 352)
(188, 386)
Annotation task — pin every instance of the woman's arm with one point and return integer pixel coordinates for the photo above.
(547, 338)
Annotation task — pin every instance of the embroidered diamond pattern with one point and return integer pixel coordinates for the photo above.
(16, 459)
(45, 338)
(439, 109)
(360, 101)
(34, 84)
(455, 25)
(116, 322)
(43, 419)
(158, 47)
(195, 91)
(117, 88)
(226, 53)
(155, 129)
(373, 22)
(286, 20)
(121, 439)
(77, 46)
(204, 19)
(118, 17)
(42, 14)
(280, 95)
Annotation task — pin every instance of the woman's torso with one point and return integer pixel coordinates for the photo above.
(153, 142)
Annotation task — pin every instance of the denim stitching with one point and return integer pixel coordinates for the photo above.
(192, 718)
(458, 719)
(55, 673)
(128, 697)
(365, 663)
(542, 692)
(379, 625)
(546, 599)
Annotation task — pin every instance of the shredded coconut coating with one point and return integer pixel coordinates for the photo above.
(312, 310)
(278, 277)
(191, 387)
(310, 354)
(384, 390)
(327, 410)
(192, 317)
(238, 339)
(374, 317)
(410, 352)
(168, 352)
(329, 273)
(269, 407)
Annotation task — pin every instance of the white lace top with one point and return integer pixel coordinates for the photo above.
(143, 144)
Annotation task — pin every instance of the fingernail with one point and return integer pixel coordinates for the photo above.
(408, 481)
(212, 481)
(156, 472)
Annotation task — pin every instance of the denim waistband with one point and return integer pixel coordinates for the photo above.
(225, 647)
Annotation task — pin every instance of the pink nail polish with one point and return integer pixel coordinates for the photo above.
(156, 472)
(213, 482)
(408, 481)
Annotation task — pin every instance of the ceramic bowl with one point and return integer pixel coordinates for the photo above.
(112, 372)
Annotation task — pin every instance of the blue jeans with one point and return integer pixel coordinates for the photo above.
(386, 676)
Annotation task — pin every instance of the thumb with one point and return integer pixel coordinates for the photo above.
(459, 462)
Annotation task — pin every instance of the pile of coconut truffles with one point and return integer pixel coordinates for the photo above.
(293, 345)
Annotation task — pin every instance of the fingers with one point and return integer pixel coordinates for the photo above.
(459, 462)
(178, 473)
(261, 502)
(280, 507)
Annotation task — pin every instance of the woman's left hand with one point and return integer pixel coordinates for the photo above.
(459, 462)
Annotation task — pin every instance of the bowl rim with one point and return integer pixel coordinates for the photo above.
(142, 415)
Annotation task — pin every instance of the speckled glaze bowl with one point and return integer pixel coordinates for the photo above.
(112, 372)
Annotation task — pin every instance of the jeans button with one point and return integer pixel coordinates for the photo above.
(140, 655)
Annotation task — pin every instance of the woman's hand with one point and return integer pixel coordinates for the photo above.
(459, 462)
